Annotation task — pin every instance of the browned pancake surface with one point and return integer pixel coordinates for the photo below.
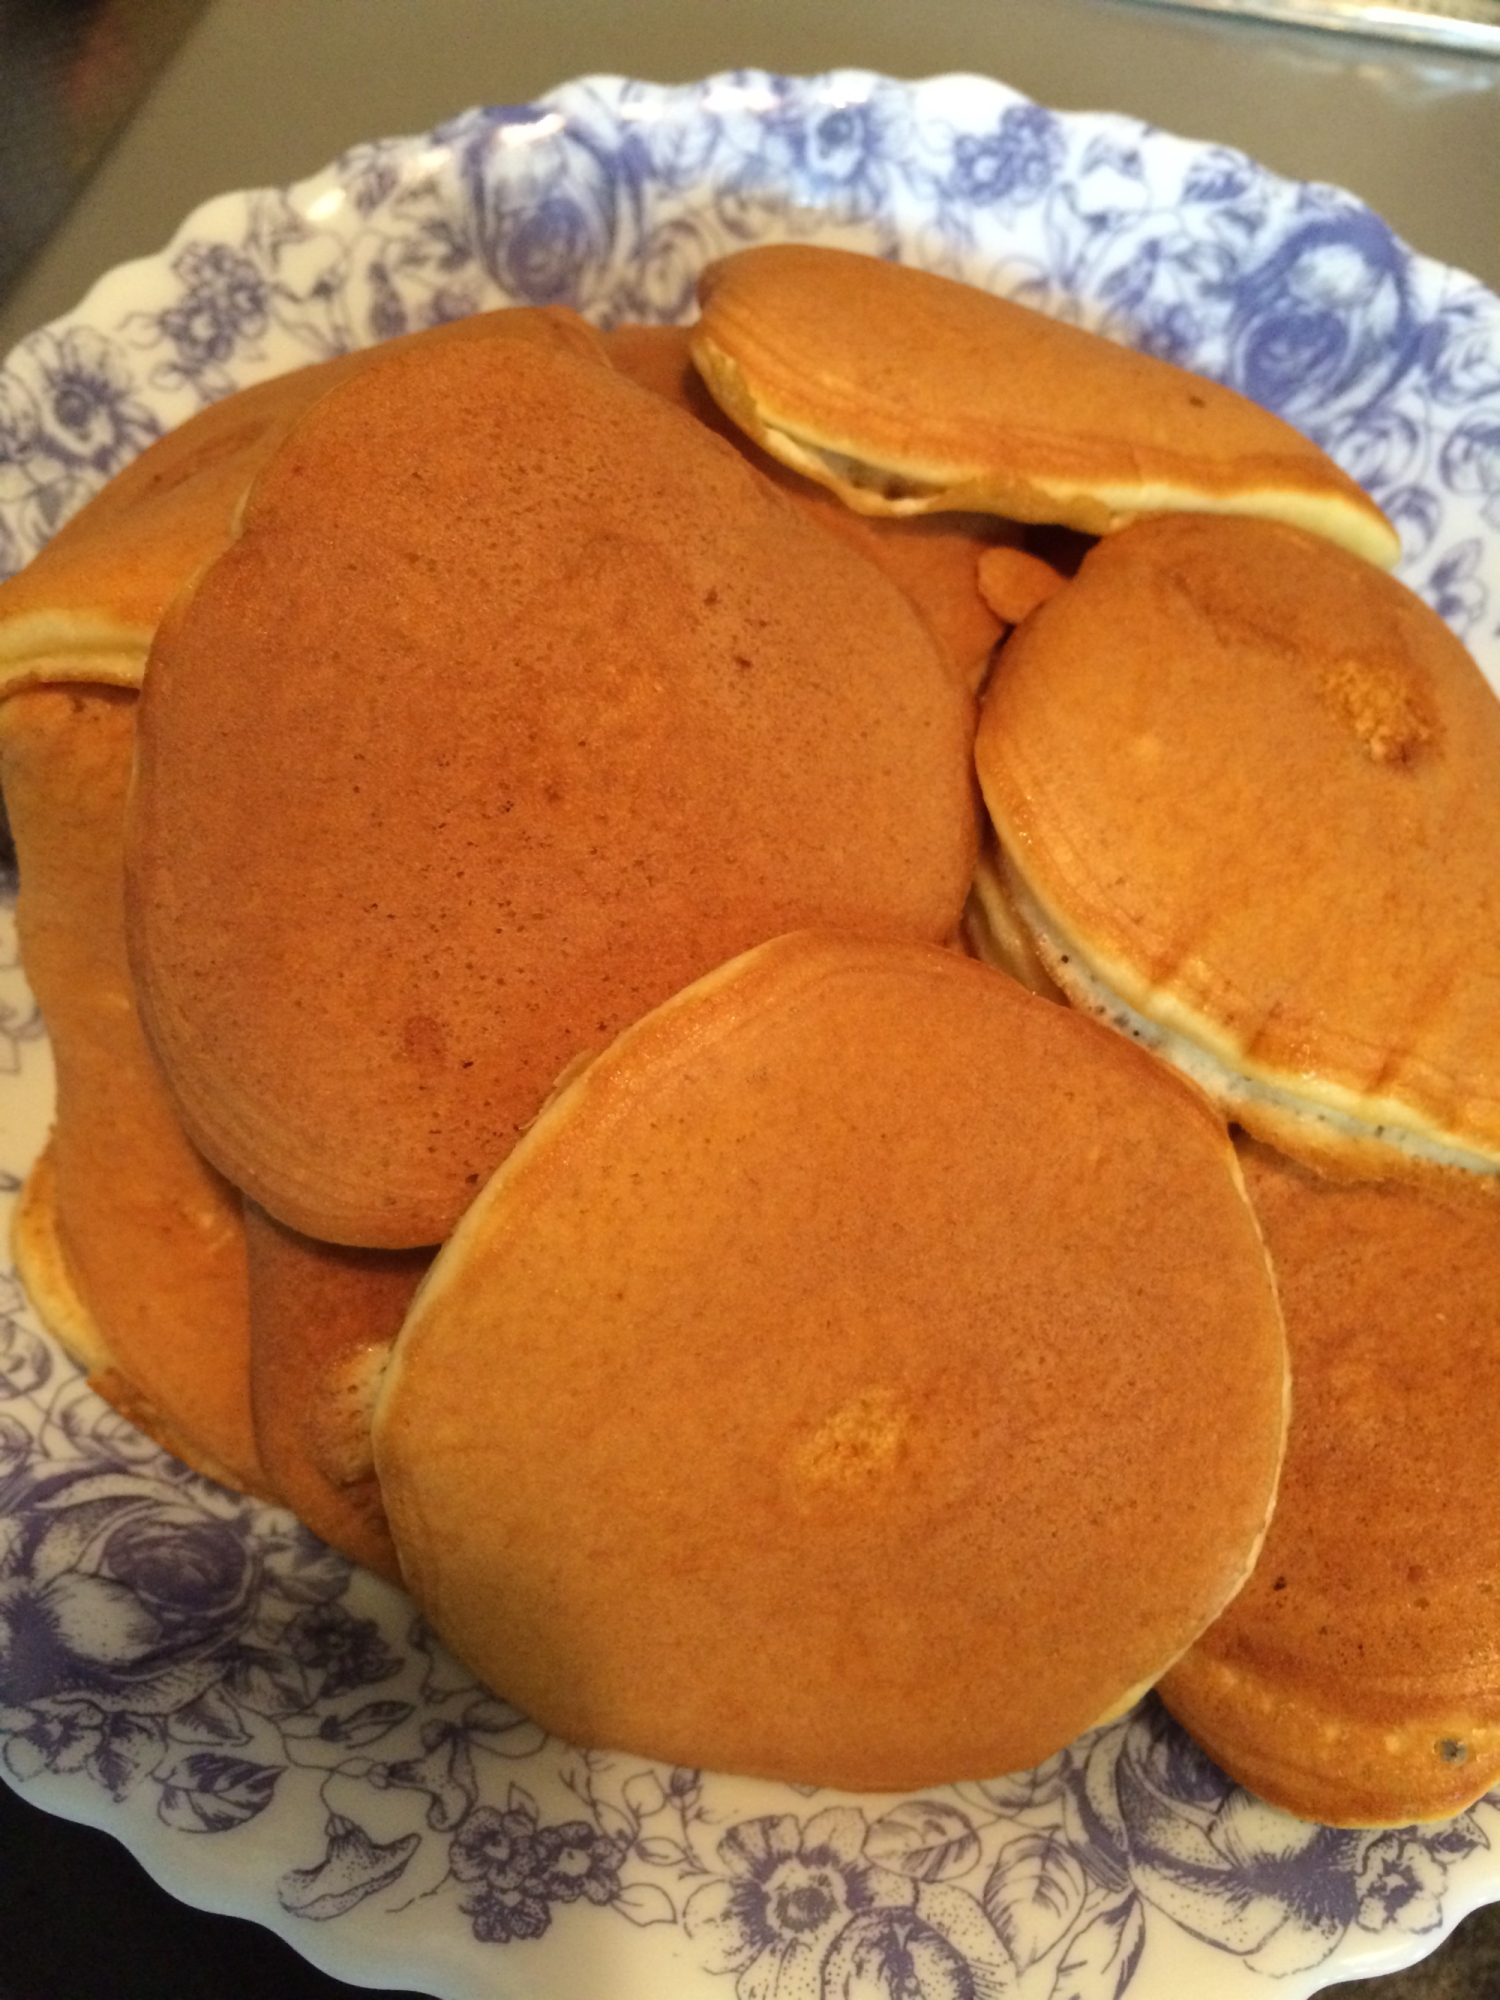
(934, 560)
(1256, 784)
(322, 1320)
(519, 702)
(86, 607)
(865, 1373)
(1356, 1678)
(920, 392)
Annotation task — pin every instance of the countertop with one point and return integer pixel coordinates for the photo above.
(264, 91)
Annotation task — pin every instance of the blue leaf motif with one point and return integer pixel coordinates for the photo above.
(212, 1718)
(365, 1725)
(25, 1363)
(1217, 176)
(206, 1793)
(925, 1838)
(895, 1955)
(645, 1904)
(1100, 1962)
(1458, 1838)
(1035, 1894)
(353, 1867)
(128, 1751)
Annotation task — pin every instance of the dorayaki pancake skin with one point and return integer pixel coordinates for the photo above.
(1356, 1678)
(86, 607)
(934, 560)
(519, 702)
(322, 1320)
(909, 392)
(863, 1374)
(1248, 790)
(129, 1243)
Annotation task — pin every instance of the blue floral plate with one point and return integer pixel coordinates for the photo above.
(276, 1735)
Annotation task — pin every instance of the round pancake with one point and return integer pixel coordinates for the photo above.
(85, 608)
(566, 705)
(1248, 790)
(322, 1320)
(129, 1243)
(935, 560)
(1354, 1680)
(907, 392)
(863, 1374)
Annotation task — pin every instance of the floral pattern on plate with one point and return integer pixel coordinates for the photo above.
(276, 1733)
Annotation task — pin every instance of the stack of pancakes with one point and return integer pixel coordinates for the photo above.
(527, 1095)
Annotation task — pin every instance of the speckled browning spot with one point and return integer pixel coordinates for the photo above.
(856, 1445)
(1389, 709)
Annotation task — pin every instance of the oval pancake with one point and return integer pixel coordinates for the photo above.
(564, 705)
(127, 1240)
(1354, 1679)
(908, 392)
(935, 559)
(864, 1373)
(86, 607)
(1248, 793)
(129, 1243)
(322, 1320)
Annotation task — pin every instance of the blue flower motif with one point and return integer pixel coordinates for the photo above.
(1400, 1884)
(96, 422)
(190, 1573)
(1015, 164)
(1325, 324)
(1455, 587)
(789, 1889)
(519, 1869)
(1276, 1890)
(544, 198)
(226, 303)
(347, 1652)
(1471, 463)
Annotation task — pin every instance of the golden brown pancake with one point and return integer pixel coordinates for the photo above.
(1014, 583)
(863, 1374)
(445, 777)
(130, 1244)
(1354, 1679)
(128, 1241)
(86, 607)
(322, 1320)
(994, 932)
(908, 393)
(1248, 790)
(934, 560)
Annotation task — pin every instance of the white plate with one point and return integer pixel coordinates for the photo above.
(276, 1736)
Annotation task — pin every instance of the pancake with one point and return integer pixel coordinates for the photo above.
(128, 1242)
(1356, 1678)
(935, 560)
(548, 747)
(802, 1396)
(86, 607)
(322, 1320)
(1014, 583)
(1248, 793)
(908, 393)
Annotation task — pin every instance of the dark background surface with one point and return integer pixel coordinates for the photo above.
(81, 1920)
